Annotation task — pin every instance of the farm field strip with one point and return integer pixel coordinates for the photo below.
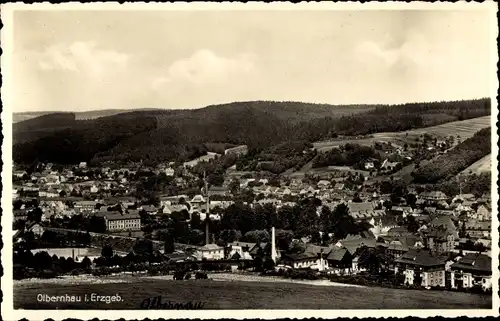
(481, 166)
(466, 128)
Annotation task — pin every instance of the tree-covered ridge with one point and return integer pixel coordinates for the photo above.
(82, 141)
(397, 118)
(160, 135)
(457, 159)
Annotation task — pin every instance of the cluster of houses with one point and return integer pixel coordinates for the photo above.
(430, 254)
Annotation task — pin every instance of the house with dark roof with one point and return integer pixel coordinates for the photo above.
(439, 239)
(300, 260)
(340, 260)
(362, 210)
(400, 245)
(242, 249)
(472, 270)
(398, 231)
(422, 268)
(217, 191)
(352, 244)
(441, 234)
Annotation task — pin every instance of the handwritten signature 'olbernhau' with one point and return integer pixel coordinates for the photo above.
(157, 303)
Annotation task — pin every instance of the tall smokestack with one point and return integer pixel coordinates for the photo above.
(207, 233)
(273, 245)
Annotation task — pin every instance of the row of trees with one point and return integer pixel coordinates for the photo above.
(240, 222)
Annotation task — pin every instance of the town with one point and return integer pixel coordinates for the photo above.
(353, 220)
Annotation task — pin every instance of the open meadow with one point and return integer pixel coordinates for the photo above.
(465, 129)
(248, 295)
(481, 166)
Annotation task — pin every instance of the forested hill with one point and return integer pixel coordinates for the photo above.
(159, 135)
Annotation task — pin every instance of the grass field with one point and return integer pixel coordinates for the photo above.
(249, 295)
(466, 128)
(481, 166)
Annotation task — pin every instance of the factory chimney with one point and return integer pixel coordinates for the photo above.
(273, 245)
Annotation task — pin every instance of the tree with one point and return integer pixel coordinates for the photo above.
(86, 263)
(143, 247)
(97, 224)
(374, 259)
(35, 215)
(258, 263)
(411, 199)
(169, 243)
(229, 236)
(283, 239)
(195, 221)
(257, 236)
(297, 247)
(42, 260)
(356, 198)
(268, 264)
(107, 252)
(412, 224)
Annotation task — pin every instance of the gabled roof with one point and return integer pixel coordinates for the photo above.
(398, 230)
(243, 244)
(210, 247)
(311, 248)
(397, 245)
(444, 221)
(474, 262)
(198, 199)
(337, 254)
(300, 256)
(421, 258)
(115, 215)
(360, 207)
(439, 232)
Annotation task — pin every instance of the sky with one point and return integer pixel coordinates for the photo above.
(91, 60)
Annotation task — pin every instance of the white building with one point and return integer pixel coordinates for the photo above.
(210, 252)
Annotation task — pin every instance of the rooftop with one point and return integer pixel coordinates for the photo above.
(210, 247)
(475, 262)
(421, 258)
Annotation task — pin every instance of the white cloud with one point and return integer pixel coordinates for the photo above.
(205, 67)
(368, 50)
(416, 49)
(82, 57)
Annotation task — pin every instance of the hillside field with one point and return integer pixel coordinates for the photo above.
(249, 295)
(465, 128)
(481, 166)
